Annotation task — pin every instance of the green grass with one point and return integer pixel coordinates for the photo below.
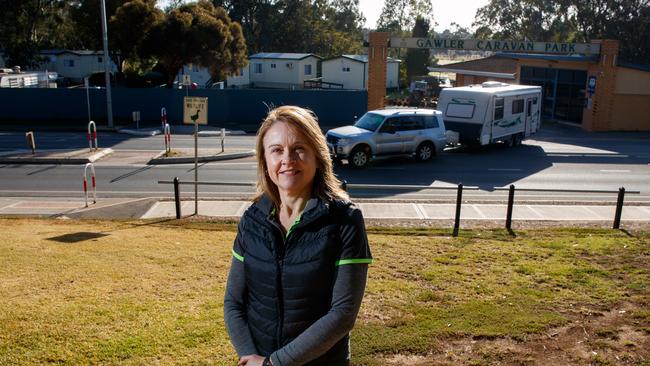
(120, 292)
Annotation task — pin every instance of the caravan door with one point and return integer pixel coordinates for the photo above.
(528, 124)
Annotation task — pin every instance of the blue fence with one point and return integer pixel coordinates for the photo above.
(227, 108)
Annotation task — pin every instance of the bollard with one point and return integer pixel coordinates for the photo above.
(459, 198)
(163, 117)
(223, 137)
(136, 119)
(168, 138)
(92, 125)
(92, 168)
(619, 208)
(511, 199)
(30, 141)
(344, 185)
(177, 198)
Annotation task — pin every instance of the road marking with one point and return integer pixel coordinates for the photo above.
(503, 170)
(614, 171)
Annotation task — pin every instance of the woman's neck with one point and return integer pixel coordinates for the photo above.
(291, 205)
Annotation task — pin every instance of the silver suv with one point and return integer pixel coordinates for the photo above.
(388, 132)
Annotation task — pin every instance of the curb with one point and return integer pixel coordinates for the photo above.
(158, 160)
(62, 161)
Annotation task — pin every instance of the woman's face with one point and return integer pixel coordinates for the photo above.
(290, 160)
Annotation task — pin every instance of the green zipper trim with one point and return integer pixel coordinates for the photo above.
(296, 222)
(237, 256)
(354, 261)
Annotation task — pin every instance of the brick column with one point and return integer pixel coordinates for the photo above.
(377, 55)
(599, 117)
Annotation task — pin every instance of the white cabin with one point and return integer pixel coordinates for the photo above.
(282, 70)
(352, 71)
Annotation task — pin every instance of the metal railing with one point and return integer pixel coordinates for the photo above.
(459, 195)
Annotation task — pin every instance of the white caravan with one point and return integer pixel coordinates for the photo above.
(492, 112)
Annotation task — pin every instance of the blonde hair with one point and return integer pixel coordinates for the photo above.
(326, 186)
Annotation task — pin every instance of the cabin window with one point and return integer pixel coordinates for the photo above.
(100, 59)
(68, 63)
(258, 68)
(273, 66)
(498, 108)
(308, 69)
(346, 69)
(460, 110)
(517, 106)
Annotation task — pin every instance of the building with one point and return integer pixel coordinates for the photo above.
(242, 79)
(75, 65)
(598, 92)
(282, 70)
(14, 78)
(352, 71)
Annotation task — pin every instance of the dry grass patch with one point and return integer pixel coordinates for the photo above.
(143, 292)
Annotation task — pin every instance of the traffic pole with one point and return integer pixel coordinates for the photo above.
(459, 197)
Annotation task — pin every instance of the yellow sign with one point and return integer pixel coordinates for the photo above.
(195, 110)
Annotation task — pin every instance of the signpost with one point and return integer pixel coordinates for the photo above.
(496, 45)
(195, 111)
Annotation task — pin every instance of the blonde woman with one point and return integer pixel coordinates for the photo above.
(301, 255)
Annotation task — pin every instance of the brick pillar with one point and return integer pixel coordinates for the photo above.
(599, 116)
(377, 55)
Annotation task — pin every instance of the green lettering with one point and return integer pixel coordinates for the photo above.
(488, 45)
(572, 48)
(438, 43)
(479, 45)
(420, 42)
(564, 48)
(461, 44)
(530, 46)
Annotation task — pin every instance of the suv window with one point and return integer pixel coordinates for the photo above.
(410, 123)
(369, 121)
(391, 125)
(431, 122)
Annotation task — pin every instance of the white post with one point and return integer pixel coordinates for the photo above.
(92, 169)
(107, 66)
(223, 137)
(92, 125)
(163, 117)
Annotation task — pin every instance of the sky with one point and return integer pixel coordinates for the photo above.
(444, 11)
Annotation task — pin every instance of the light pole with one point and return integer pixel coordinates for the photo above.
(107, 66)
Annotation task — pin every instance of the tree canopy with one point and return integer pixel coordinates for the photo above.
(570, 21)
(417, 60)
(197, 33)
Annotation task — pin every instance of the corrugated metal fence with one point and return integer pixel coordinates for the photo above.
(226, 108)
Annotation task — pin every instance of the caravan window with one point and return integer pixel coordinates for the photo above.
(460, 110)
(498, 108)
(517, 106)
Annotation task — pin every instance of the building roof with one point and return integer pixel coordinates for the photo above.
(535, 56)
(74, 52)
(629, 65)
(282, 56)
(361, 58)
(493, 66)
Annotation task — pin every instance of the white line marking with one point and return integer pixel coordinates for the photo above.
(503, 170)
(614, 171)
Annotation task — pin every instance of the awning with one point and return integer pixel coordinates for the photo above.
(499, 75)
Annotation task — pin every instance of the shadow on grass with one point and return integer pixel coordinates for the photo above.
(77, 237)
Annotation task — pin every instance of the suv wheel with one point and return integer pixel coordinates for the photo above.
(359, 157)
(424, 152)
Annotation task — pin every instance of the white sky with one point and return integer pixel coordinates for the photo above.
(444, 11)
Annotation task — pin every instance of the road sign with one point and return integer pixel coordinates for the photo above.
(187, 81)
(195, 110)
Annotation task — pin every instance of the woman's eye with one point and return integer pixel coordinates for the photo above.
(276, 150)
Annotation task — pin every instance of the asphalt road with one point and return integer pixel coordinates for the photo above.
(558, 158)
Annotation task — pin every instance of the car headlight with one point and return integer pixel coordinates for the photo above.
(344, 141)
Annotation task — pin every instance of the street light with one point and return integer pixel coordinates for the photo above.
(107, 66)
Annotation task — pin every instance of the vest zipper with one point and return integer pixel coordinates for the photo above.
(279, 262)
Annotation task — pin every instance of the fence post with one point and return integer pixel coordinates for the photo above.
(163, 117)
(223, 137)
(511, 199)
(168, 138)
(177, 198)
(459, 198)
(619, 208)
(30, 141)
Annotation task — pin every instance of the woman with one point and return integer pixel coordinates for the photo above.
(301, 254)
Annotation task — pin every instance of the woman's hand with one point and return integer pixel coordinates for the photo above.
(251, 360)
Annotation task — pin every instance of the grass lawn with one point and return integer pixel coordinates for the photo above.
(151, 292)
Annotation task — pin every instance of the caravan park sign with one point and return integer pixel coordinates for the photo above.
(496, 46)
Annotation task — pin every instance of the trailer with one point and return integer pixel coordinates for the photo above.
(492, 112)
